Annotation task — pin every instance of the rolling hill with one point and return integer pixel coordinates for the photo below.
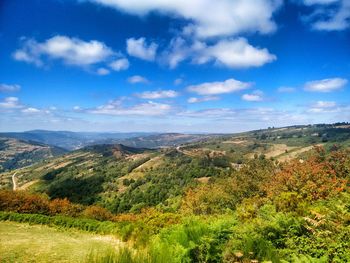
(17, 153)
(125, 178)
(273, 195)
(76, 140)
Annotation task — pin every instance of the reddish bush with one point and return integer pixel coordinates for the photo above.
(98, 213)
(64, 207)
(316, 178)
(23, 202)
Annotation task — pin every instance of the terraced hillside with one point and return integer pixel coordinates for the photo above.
(16, 153)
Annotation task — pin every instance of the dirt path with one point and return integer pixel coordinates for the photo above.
(14, 181)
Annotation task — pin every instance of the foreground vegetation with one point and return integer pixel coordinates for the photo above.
(265, 211)
(33, 243)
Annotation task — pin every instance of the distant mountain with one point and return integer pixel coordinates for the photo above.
(76, 140)
(165, 140)
(70, 140)
(117, 150)
(16, 153)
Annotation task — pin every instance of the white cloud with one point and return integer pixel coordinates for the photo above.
(120, 64)
(262, 117)
(137, 79)
(31, 110)
(102, 71)
(286, 89)
(72, 51)
(202, 99)
(161, 94)
(77, 108)
(324, 107)
(235, 53)
(208, 18)
(232, 53)
(140, 49)
(9, 87)
(326, 85)
(29, 53)
(10, 103)
(144, 109)
(329, 15)
(213, 88)
(255, 96)
(177, 52)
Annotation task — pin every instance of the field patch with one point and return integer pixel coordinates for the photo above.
(21, 242)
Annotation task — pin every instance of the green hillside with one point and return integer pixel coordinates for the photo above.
(274, 195)
(16, 153)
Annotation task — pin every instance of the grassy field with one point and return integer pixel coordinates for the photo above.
(20, 242)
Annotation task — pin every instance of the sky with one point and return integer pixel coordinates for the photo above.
(173, 66)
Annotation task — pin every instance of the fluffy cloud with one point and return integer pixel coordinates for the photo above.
(144, 109)
(13, 105)
(137, 79)
(140, 49)
(236, 53)
(120, 64)
(202, 99)
(207, 18)
(326, 85)
(255, 96)
(9, 87)
(232, 53)
(161, 94)
(213, 88)
(324, 107)
(10, 103)
(329, 15)
(72, 51)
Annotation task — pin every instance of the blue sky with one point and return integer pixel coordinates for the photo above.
(173, 66)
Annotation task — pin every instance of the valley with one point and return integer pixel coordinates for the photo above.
(217, 187)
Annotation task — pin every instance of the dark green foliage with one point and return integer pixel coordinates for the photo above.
(78, 190)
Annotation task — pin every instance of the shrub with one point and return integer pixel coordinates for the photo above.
(97, 213)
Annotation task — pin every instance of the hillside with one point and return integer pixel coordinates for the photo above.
(278, 195)
(124, 178)
(16, 153)
(76, 140)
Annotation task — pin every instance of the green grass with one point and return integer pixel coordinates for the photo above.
(21, 242)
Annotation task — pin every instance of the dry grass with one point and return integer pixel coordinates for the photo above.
(203, 180)
(236, 142)
(34, 243)
(278, 149)
(295, 153)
